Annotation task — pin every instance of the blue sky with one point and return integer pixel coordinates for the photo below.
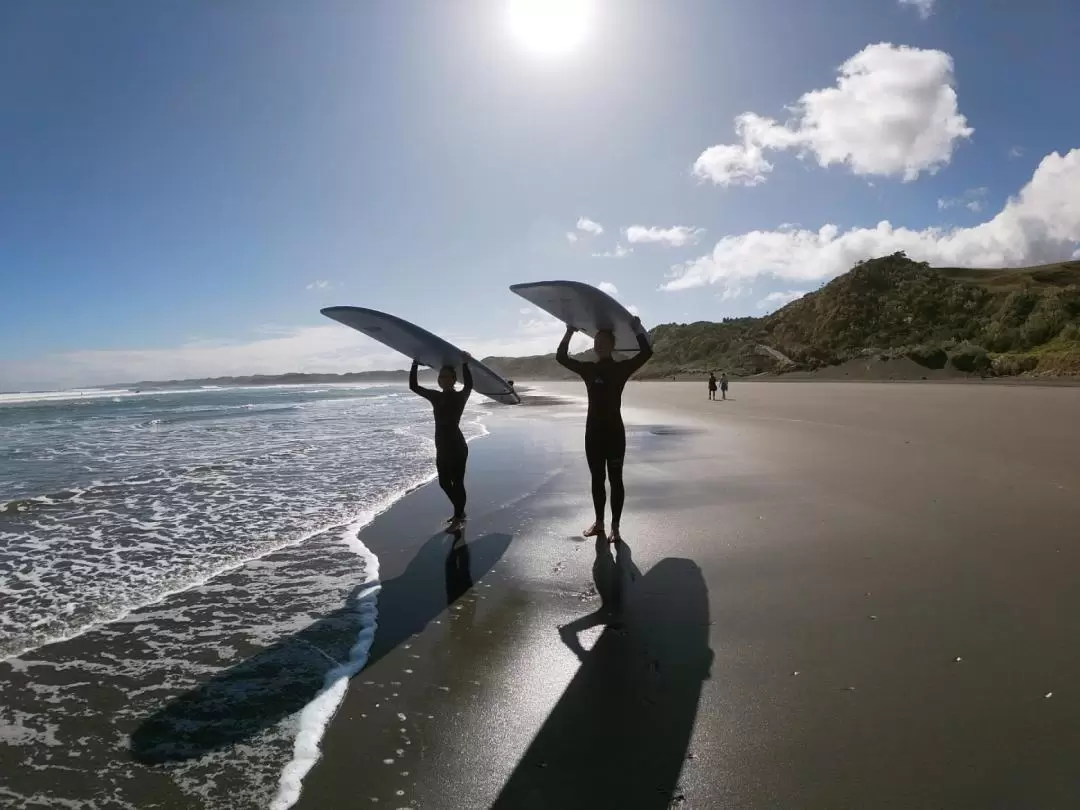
(184, 185)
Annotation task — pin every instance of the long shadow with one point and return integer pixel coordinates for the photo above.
(619, 735)
(257, 693)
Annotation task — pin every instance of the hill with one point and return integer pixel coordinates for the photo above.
(1020, 320)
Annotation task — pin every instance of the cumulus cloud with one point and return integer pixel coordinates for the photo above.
(571, 237)
(620, 252)
(775, 300)
(1041, 224)
(586, 225)
(733, 164)
(676, 236)
(924, 7)
(973, 200)
(608, 287)
(892, 112)
(319, 285)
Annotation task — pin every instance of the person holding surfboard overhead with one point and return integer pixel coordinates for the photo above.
(605, 435)
(451, 449)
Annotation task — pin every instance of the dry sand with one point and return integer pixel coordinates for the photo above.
(835, 596)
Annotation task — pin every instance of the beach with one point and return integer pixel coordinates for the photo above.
(838, 595)
(828, 595)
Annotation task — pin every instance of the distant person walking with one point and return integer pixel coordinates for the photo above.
(712, 385)
(605, 435)
(451, 449)
(723, 385)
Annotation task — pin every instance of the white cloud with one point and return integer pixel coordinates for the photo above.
(676, 236)
(571, 237)
(1016, 152)
(1041, 224)
(973, 199)
(319, 285)
(924, 7)
(775, 300)
(620, 252)
(892, 112)
(733, 164)
(608, 287)
(586, 225)
(632, 309)
(732, 291)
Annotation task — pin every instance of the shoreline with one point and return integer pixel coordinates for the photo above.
(837, 591)
(136, 697)
(828, 596)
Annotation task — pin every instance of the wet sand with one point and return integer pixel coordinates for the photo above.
(834, 596)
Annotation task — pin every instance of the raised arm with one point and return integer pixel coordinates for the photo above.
(563, 353)
(645, 350)
(466, 375)
(415, 386)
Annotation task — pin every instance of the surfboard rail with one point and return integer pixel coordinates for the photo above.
(584, 307)
(420, 345)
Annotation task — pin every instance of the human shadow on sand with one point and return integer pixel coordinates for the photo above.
(619, 735)
(258, 693)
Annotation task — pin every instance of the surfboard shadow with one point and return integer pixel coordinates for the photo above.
(259, 692)
(619, 735)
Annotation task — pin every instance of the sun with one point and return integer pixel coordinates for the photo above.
(549, 27)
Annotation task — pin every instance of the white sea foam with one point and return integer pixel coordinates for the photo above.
(195, 556)
(118, 394)
(122, 519)
(317, 714)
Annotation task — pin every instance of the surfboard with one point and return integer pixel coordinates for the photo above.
(584, 307)
(423, 347)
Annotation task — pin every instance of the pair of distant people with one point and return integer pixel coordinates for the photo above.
(723, 385)
(605, 434)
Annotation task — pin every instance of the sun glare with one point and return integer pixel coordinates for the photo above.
(549, 27)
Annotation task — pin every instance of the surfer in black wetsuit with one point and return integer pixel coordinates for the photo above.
(451, 449)
(605, 436)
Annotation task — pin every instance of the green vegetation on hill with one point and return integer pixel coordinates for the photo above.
(969, 321)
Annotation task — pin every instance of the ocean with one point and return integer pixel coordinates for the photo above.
(174, 534)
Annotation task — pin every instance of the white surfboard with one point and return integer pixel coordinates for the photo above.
(423, 347)
(583, 307)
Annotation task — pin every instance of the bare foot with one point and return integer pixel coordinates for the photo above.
(596, 530)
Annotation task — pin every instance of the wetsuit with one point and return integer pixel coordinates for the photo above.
(451, 449)
(712, 387)
(605, 436)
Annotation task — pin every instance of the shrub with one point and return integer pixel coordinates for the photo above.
(1000, 338)
(1008, 365)
(929, 356)
(969, 358)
